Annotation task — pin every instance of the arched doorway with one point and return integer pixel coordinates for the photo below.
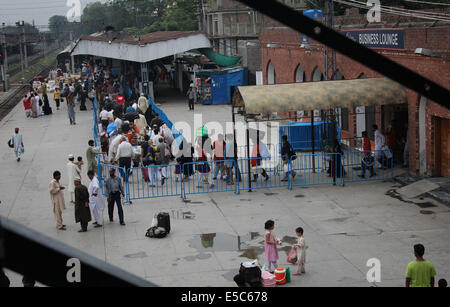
(317, 75)
(300, 75)
(271, 75)
(338, 75)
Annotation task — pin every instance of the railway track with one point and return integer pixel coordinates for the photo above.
(16, 97)
(13, 72)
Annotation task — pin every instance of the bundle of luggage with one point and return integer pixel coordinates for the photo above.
(280, 277)
(251, 275)
(160, 227)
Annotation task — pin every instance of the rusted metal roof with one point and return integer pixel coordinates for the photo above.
(149, 38)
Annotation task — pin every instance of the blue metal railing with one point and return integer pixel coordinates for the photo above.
(208, 177)
(316, 169)
(368, 165)
(154, 181)
(263, 173)
(144, 182)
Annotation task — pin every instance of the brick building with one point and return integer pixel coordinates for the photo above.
(233, 29)
(428, 124)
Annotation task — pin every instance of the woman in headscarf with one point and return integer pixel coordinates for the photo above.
(34, 109)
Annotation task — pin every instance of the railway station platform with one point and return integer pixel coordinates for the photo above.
(213, 233)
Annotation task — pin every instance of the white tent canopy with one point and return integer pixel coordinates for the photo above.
(150, 47)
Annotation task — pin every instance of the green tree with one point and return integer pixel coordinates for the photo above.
(181, 16)
(94, 17)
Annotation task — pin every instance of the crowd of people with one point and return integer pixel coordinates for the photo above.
(133, 135)
(36, 103)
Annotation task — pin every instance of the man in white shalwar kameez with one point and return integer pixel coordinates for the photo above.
(16, 140)
(72, 174)
(96, 200)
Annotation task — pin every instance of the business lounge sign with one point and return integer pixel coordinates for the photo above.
(393, 39)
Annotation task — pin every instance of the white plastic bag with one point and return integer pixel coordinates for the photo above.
(286, 167)
(265, 268)
(154, 222)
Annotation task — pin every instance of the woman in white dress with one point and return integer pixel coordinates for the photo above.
(301, 251)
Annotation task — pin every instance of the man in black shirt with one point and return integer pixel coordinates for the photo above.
(286, 154)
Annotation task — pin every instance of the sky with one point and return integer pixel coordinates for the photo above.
(38, 10)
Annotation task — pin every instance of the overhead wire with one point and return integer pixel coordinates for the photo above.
(394, 12)
(420, 12)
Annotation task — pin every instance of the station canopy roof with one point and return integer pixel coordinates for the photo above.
(322, 95)
(141, 49)
(68, 49)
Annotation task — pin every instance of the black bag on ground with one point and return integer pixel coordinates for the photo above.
(164, 220)
(250, 275)
(156, 232)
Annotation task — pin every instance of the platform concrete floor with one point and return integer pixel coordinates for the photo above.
(344, 226)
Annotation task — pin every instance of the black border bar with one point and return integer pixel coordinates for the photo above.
(353, 50)
(28, 252)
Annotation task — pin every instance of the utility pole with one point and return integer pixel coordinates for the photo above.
(43, 35)
(5, 60)
(22, 67)
(330, 55)
(135, 16)
(330, 68)
(24, 44)
(72, 57)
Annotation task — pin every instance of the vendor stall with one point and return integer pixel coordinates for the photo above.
(218, 86)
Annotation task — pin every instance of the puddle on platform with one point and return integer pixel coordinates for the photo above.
(201, 256)
(339, 219)
(137, 255)
(289, 240)
(426, 205)
(270, 194)
(426, 212)
(245, 199)
(251, 246)
(221, 242)
(181, 214)
(230, 275)
(299, 196)
(392, 193)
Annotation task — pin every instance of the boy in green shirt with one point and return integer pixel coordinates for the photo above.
(420, 272)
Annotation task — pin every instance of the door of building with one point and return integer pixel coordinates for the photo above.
(441, 147)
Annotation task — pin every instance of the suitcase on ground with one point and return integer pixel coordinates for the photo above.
(164, 221)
